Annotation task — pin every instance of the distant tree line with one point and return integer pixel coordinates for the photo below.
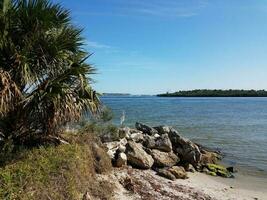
(216, 93)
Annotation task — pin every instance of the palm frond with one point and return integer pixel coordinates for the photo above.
(45, 81)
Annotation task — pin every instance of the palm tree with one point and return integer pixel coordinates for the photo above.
(45, 81)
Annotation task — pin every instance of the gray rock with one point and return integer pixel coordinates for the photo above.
(124, 132)
(164, 159)
(162, 143)
(114, 146)
(145, 129)
(137, 137)
(149, 142)
(137, 157)
(166, 174)
(121, 148)
(189, 168)
(205, 170)
(187, 151)
(162, 129)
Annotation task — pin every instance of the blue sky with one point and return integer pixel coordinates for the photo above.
(154, 46)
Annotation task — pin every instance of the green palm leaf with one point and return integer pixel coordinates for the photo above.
(45, 80)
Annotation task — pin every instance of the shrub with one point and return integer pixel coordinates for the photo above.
(58, 172)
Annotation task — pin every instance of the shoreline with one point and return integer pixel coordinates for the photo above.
(241, 187)
(145, 184)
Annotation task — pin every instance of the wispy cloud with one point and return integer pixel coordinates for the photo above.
(97, 45)
(170, 8)
(160, 8)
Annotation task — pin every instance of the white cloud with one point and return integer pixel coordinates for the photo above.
(160, 8)
(97, 45)
(169, 8)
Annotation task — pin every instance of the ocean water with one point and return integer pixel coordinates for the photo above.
(235, 126)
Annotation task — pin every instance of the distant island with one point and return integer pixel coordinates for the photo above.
(216, 93)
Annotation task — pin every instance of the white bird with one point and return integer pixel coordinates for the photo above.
(122, 117)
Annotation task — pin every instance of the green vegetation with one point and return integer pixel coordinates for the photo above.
(44, 77)
(58, 172)
(217, 93)
(103, 127)
(45, 83)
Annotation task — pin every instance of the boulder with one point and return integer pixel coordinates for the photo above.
(145, 129)
(114, 146)
(179, 172)
(209, 157)
(162, 129)
(189, 168)
(121, 160)
(219, 170)
(231, 169)
(164, 159)
(149, 141)
(122, 148)
(187, 151)
(124, 132)
(166, 174)
(137, 157)
(162, 142)
(137, 137)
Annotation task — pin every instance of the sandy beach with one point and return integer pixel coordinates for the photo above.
(242, 187)
(145, 184)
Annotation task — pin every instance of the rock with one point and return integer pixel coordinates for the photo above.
(164, 159)
(114, 146)
(189, 168)
(149, 142)
(231, 169)
(205, 170)
(137, 137)
(124, 132)
(123, 141)
(211, 173)
(219, 170)
(209, 157)
(166, 174)
(145, 129)
(86, 196)
(178, 172)
(137, 157)
(162, 129)
(121, 160)
(162, 143)
(122, 148)
(187, 151)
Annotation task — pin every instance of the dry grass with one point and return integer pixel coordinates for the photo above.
(61, 172)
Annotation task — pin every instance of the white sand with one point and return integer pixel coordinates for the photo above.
(241, 187)
(198, 186)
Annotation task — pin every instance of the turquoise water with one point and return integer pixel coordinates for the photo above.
(236, 126)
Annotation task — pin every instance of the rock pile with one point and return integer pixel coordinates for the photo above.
(164, 150)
